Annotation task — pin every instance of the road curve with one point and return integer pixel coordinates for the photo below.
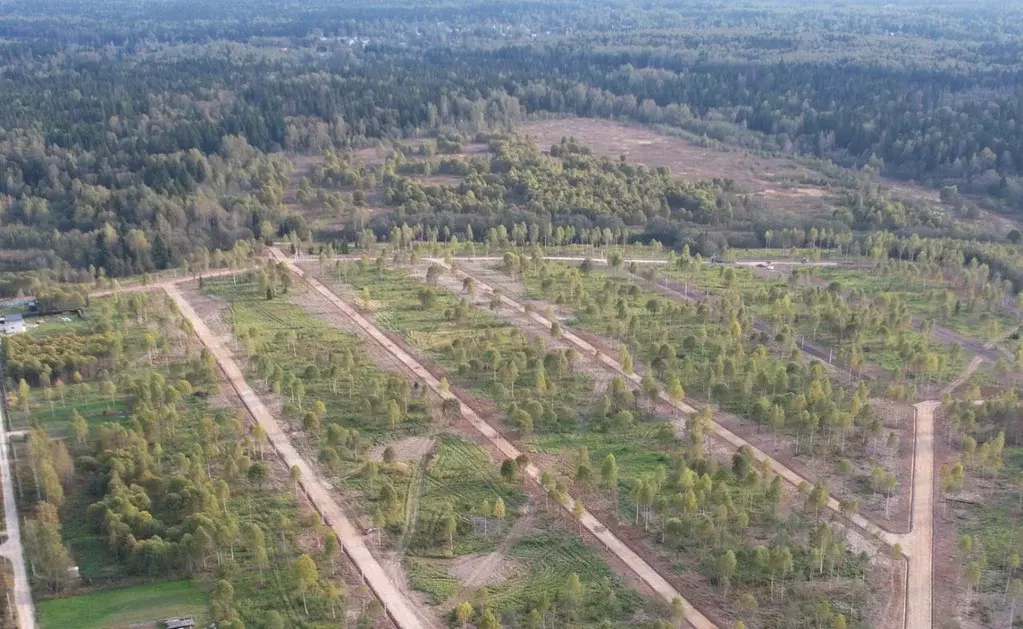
(11, 549)
(643, 570)
(315, 489)
(964, 376)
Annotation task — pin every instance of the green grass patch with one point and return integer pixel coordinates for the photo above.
(433, 582)
(545, 563)
(42, 327)
(926, 297)
(119, 609)
(54, 415)
(470, 342)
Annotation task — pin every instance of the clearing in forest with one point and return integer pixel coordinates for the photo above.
(785, 185)
(125, 607)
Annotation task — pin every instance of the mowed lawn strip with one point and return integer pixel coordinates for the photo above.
(118, 609)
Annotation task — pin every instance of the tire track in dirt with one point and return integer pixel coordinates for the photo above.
(964, 376)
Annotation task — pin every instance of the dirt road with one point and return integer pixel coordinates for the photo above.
(964, 376)
(136, 288)
(319, 494)
(11, 548)
(918, 544)
(643, 570)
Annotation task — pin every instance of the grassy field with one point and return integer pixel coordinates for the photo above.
(49, 326)
(639, 450)
(309, 356)
(547, 560)
(119, 609)
(54, 415)
(925, 296)
(466, 341)
(541, 563)
(462, 477)
(790, 304)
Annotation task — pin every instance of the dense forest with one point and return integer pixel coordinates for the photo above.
(137, 134)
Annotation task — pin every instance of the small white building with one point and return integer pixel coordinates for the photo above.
(12, 323)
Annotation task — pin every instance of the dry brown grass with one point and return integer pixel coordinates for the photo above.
(768, 178)
(761, 176)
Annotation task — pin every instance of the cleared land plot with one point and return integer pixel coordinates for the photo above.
(926, 298)
(122, 608)
(399, 302)
(783, 184)
(459, 481)
(769, 178)
(827, 323)
(659, 325)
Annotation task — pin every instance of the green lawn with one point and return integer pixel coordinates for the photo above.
(54, 415)
(41, 327)
(118, 609)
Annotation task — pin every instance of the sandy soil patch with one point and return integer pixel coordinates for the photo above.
(482, 570)
(410, 449)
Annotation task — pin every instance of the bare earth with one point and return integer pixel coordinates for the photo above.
(918, 544)
(761, 176)
(410, 449)
(479, 570)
